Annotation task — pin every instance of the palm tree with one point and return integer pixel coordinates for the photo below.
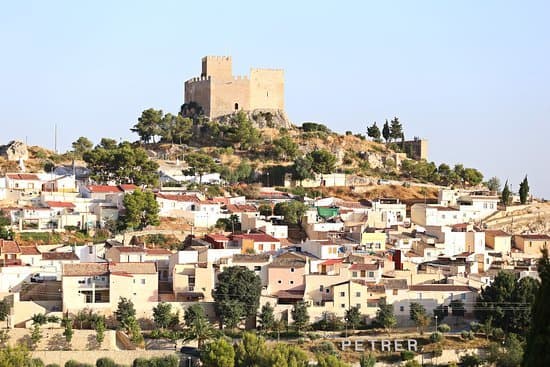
(200, 330)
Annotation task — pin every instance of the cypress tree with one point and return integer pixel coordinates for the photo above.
(523, 190)
(505, 196)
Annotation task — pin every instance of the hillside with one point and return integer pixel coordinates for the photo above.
(532, 218)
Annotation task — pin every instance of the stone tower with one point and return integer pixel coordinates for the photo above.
(221, 93)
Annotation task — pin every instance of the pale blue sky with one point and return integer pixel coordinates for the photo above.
(472, 77)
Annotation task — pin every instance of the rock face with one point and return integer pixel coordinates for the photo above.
(14, 151)
(263, 118)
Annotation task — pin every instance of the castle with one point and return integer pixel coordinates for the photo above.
(219, 93)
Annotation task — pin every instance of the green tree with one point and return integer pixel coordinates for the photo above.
(176, 129)
(457, 309)
(125, 312)
(193, 312)
(4, 310)
(367, 360)
(418, 314)
(135, 331)
(386, 132)
(265, 209)
(142, 210)
(163, 316)
(385, 316)
(330, 360)
(218, 353)
(81, 146)
(17, 356)
(199, 164)
(374, 132)
(493, 184)
(242, 133)
(36, 335)
(250, 351)
(505, 196)
(523, 191)
(68, 332)
(538, 338)
(285, 148)
(267, 317)
(148, 125)
(121, 163)
(292, 211)
(322, 161)
(507, 302)
(353, 317)
(300, 315)
(472, 176)
(396, 129)
(286, 355)
(302, 169)
(237, 293)
(444, 172)
(470, 360)
(510, 354)
(99, 326)
(5, 222)
(200, 330)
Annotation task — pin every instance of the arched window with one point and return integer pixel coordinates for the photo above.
(236, 106)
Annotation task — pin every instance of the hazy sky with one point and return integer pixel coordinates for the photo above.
(472, 77)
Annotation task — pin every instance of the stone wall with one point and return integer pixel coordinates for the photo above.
(123, 357)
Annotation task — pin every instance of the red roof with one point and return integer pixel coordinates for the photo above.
(59, 204)
(23, 176)
(543, 237)
(332, 262)
(186, 198)
(9, 247)
(217, 237)
(130, 249)
(29, 250)
(127, 187)
(158, 251)
(103, 188)
(257, 237)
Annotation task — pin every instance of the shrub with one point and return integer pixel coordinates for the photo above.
(444, 328)
(407, 355)
(313, 336)
(498, 333)
(467, 335)
(73, 363)
(53, 365)
(436, 337)
(475, 326)
(105, 362)
(324, 347)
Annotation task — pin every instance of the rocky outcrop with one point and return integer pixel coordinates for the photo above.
(263, 118)
(14, 151)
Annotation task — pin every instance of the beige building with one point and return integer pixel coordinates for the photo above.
(498, 240)
(221, 93)
(531, 244)
(99, 286)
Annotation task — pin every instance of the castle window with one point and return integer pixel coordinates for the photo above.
(236, 106)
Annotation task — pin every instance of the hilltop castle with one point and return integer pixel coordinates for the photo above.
(219, 93)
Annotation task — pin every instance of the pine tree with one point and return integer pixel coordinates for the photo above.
(396, 129)
(374, 132)
(538, 340)
(505, 196)
(524, 190)
(386, 131)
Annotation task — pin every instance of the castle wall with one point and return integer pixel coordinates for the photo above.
(229, 95)
(199, 90)
(267, 89)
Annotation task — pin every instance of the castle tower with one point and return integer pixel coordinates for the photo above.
(218, 67)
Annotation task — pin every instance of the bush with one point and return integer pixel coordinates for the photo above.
(407, 355)
(436, 337)
(73, 363)
(467, 335)
(324, 347)
(498, 333)
(53, 365)
(105, 362)
(444, 328)
(168, 361)
(313, 336)
(475, 326)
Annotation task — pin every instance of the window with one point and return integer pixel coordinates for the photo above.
(358, 306)
(328, 290)
(394, 292)
(419, 295)
(357, 294)
(143, 281)
(236, 106)
(401, 308)
(321, 288)
(257, 268)
(292, 270)
(463, 296)
(342, 294)
(343, 305)
(354, 274)
(291, 282)
(371, 274)
(260, 247)
(90, 250)
(279, 281)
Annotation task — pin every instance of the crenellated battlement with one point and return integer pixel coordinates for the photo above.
(266, 69)
(198, 79)
(217, 58)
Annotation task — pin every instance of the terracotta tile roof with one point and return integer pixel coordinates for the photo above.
(245, 258)
(496, 233)
(29, 250)
(183, 198)
(364, 267)
(59, 256)
(542, 237)
(59, 204)
(103, 188)
(158, 251)
(257, 237)
(332, 262)
(293, 294)
(238, 208)
(23, 176)
(130, 249)
(441, 288)
(217, 237)
(133, 268)
(127, 187)
(85, 269)
(9, 247)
